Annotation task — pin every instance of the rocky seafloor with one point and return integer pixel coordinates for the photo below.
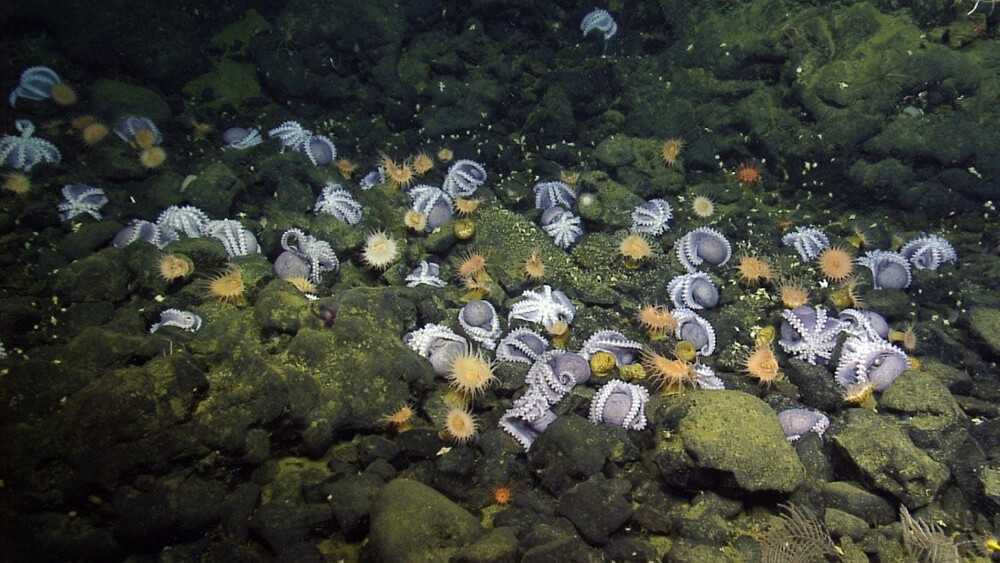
(262, 435)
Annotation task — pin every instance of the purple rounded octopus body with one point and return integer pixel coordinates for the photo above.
(703, 245)
(619, 403)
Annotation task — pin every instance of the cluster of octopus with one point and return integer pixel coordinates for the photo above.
(867, 362)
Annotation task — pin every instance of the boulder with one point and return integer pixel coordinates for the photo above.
(413, 522)
(727, 439)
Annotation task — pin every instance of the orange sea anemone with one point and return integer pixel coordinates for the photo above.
(635, 248)
(422, 163)
(656, 319)
(467, 206)
(153, 157)
(401, 419)
(836, 263)
(445, 155)
(533, 267)
(345, 167)
(762, 364)
(671, 150)
(754, 270)
(398, 175)
(792, 293)
(748, 175)
(471, 264)
(460, 426)
(670, 374)
(502, 495)
(227, 285)
(175, 266)
(17, 183)
(471, 373)
(94, 133)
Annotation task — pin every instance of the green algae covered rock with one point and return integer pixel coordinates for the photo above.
(111, 97)
(616, 150)
(570, 450)
(511, 238)
(279, 306)
(985, 323)
(886, 457)
(412, 522)
(723, 438)
(360, 365)
(229, 82)
(213, 189)
(98, 277)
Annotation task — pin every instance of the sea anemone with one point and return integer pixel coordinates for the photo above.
(858, 238)
(762, 364)
(656, 319)
(671, 150)
(467, 206)
(669, 374)
(422, 163)
(81, 121)
(199, 129)
(401, 419)
(753, 270)
(17, 183)
(861, 395)
(702, 207)
(847, 296)
(415, 220)
(792, 293)
(346, 167)
(227, 285)
(471, 264)
(144, 138)
(304, 285)
(153, 157)
(445, 155)
(175, 266)
(907, 337)
(836, 263)
(471, 373)
(63, 94)
(533, 267)
(571, 178)
(464, 229)
(502, 495)
(635, 249)
(748, 175)
(94, 133)
(460, 426)
(380, 251)
(398, 175)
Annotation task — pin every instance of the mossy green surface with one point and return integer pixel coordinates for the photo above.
(229, 83)
(729, 433)
(413, 522)
(887, 459)
(985, 324)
